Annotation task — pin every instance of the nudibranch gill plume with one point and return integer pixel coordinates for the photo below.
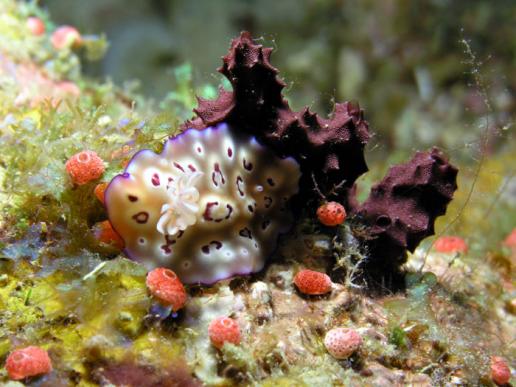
(211, 205)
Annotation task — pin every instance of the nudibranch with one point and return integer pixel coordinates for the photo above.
(211, 205)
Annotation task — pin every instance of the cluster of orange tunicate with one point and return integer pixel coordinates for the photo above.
(84, 167)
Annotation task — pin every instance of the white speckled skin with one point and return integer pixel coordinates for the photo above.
(243, 192)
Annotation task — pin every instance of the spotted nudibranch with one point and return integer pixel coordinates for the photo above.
(211, 205)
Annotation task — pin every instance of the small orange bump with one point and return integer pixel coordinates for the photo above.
(84, 167)
(451, 244)
(105, 233)
(100, 190)
(224, 330)
(510, 240)
(165, 285)
(36, 26)
(500, 371)
(342, 342)
(312, 282)
(66, 37)
(331, 214)
(29, 361)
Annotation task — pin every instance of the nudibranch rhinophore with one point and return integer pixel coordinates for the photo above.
(211, 205)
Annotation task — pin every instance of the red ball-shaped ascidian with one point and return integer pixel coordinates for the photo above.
(35, 26)
(165, 286)
(29, 361)
(500, 371)
(510, 240)
(84, 167)
(342, 342)
(224, 330)
(66, 37)
(331, 214)
(450, 244)
(105, 233)
(312, 282)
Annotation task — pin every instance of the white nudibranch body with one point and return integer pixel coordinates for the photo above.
(211, 205)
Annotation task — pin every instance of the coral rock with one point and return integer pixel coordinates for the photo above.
(329, 149)
(342, 342)
(84, 167)
(402, 208)
(451, 244)
(312, 282)
(224, 330)
(500, 371)
(167, 288)
(331, 214)
(210, 206)
(29, 361)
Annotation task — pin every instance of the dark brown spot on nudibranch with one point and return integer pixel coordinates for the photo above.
(268, 201)
(246, 233)
(206, 248)
(271, 182)
(247, 165)
(206, 215)
(141, 217)
(250, 208)
(230, 152)
(230, 211)
(217, 172)
(239, 182)
(179, 166)
(169, 241)
(191, 168)
(155, 180)
(132, 198)
(265, 224)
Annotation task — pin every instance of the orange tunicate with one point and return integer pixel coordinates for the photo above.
(331, 214)
(312, 282)
(510, 240)
(500, 371)
(36, 26)
(66, 37)
(99, 191)
(105, 233)
(450, 244)
(165, 285)
(224, 330)
(84, 167)
(29, 361)
(342, 342)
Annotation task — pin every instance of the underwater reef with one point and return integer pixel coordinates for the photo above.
(238, 247)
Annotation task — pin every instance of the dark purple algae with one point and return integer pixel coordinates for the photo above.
(331, 149)
(400, 211)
